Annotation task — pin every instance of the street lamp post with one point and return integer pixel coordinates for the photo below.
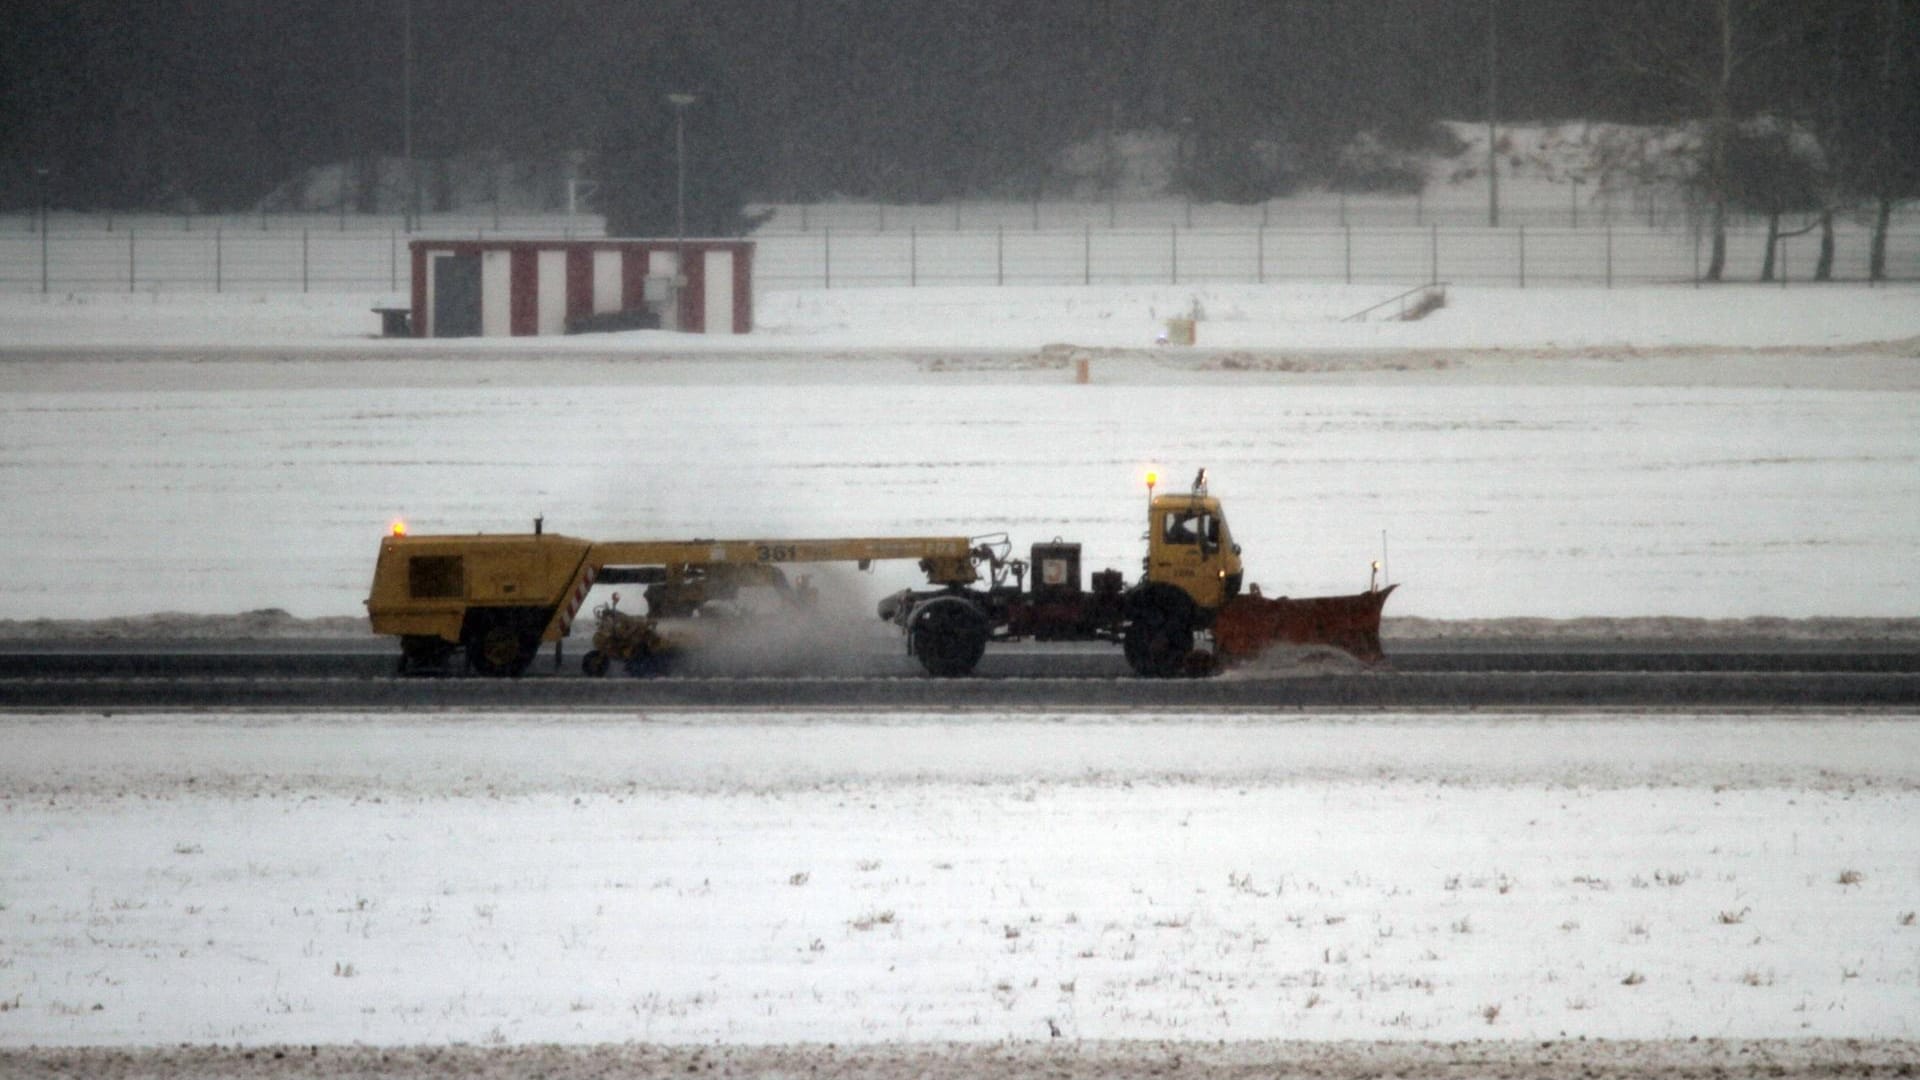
(680, 102)
(406, 111)
(43, 173)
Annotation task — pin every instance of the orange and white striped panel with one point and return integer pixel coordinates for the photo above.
(573, 602)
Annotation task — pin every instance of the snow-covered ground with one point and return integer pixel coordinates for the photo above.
(1281, 317)
(1666, 452)
(749, 878)
(761, 878)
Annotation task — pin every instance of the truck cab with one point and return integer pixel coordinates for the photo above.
(1190, 548)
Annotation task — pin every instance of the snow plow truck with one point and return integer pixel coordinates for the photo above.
(494, 599)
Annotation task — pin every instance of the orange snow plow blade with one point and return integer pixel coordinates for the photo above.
(1248, 625)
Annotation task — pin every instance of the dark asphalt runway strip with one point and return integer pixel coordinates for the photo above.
(1369, 690)
(319, 675)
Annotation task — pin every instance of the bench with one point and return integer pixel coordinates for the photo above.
(395, 321)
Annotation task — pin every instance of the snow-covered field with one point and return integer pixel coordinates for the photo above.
(1289, 318)
(1680, 452)
(761, 878)
(908, 879)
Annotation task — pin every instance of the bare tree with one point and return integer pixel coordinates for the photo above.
(1719, 135)
(1894, 167)
(1854, 88)
(1701, 49)
(1769, 174)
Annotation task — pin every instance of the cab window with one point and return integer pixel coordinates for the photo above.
(1188, 526)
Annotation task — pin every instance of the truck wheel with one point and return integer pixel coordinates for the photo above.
(949, 635)
(495, 649)
(594, 663)
(1159, 636)
(424, 653)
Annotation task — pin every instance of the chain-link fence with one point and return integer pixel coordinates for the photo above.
(239, 252)
(77, 253)
(1519, 256)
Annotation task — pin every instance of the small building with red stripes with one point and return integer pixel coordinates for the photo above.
(521, 288)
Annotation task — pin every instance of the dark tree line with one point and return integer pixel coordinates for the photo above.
(1765, 76)
(214, 103)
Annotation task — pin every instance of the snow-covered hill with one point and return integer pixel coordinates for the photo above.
(1541, 166)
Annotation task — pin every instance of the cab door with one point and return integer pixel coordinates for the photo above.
(1184, 550)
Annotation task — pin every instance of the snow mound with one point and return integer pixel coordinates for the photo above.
(264, 624)
(1652, 629)
(1284, 660)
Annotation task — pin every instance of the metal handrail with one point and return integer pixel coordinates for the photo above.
(1363, 313)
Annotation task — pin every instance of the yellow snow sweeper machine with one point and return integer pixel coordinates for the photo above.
(494, 599)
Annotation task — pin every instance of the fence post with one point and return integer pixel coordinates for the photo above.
(1522, 232)
(219, 254)
(393, 261)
